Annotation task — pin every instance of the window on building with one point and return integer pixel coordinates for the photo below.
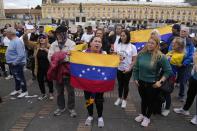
(83, 19)
(77, 19)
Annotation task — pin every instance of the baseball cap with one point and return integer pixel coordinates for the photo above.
(10, 30)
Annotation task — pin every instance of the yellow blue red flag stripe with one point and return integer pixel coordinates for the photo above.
(139, 38)
(93, 72)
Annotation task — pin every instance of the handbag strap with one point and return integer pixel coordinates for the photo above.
(159, 70)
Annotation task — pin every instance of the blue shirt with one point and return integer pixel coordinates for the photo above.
(15, 53)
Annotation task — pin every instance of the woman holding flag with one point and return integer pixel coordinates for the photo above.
(97, 98)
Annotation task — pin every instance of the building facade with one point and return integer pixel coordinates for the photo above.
(2, 13)
(121, 12)
(24, 14)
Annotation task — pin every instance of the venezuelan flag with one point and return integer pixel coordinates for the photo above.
(93, 72)
(47, 28)
(139, 38)
(81, 47)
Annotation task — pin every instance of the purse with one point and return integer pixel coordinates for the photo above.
(168, 85)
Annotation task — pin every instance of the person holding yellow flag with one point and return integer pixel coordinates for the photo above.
(97, 98)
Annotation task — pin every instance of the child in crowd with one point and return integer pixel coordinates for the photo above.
(175, 58)
(177, 54)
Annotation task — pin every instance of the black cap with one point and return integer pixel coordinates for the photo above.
(61, 29)
(177, 27)
(41, 26)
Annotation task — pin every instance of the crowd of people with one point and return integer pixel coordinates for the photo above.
(149, 68)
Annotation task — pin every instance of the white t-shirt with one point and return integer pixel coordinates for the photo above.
(126, 52)
(117, 39)
(6, 41)
(86, 37)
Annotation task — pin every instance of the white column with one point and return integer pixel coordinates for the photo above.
(2, 12)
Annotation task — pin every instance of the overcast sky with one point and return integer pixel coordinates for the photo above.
(33, 3)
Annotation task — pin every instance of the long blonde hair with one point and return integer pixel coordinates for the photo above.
(181, 44)
(156, 53)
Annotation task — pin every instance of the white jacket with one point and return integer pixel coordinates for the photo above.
(69, 45)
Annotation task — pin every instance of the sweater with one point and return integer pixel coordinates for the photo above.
(143, 70)
(15, 53)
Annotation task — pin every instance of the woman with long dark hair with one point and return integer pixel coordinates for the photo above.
(128, 53)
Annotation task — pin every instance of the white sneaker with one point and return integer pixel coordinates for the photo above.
(139, 118)
(9, 77)
(15, 92)
(88, 121)
(118, 102)
(43, 97)
(51, 97)
(194, 120)
(181, 111)
(100, 122)
(59, 112)
(23, 94)
(145, 122)
(124, 104)
(165, 112)
(72, 113)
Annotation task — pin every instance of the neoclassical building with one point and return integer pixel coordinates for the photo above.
(125, 11)
(2, 12)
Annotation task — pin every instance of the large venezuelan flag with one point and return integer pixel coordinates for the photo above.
(93, 72)
(139, 38)
(81, 47)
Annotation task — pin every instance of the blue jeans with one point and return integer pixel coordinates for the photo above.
(20, 82)
(184, 74)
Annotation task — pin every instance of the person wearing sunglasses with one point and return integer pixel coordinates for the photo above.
(41, 48)
(42, 66)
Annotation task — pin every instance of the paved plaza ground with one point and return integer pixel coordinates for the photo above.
(30, 114)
